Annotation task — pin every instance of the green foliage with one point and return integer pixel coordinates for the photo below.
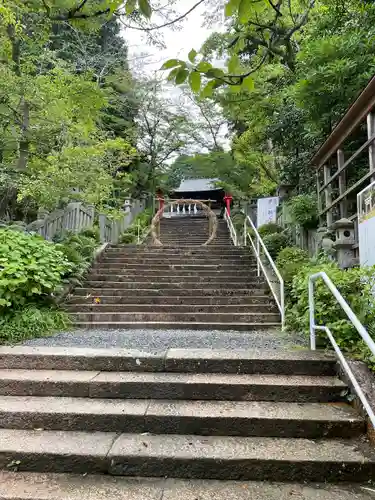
(304, 210)
(269, 228)
(289, 262)
(275, 242)
(139, 225)
(78, 249)
(30, 268)
(31, 321)
(356, 287)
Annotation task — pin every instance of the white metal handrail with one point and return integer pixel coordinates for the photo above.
(279, 298)
(232, 230)
(354, 320)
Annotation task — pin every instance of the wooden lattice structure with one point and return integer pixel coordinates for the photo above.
(345, 163)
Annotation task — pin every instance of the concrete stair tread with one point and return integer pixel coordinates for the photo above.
(170, 360)
(186, 455)
(237, 410)
(219, 309)
(41, 486)
(206, 291)
(177, 325)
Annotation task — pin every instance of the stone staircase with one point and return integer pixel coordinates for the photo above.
(178, 286)
(177, 424)
(196, 414)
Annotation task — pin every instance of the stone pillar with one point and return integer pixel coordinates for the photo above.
(343, 245)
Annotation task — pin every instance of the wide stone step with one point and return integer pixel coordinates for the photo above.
(148, 272)
(183, 268)
(231, 286)
(174, 326)
(260, 301)
(145, 385)
(192, 250)
(181, 261)
(212, 291)
(205, 418)
(52, 486)
(178, 317)
(169, 308)
(190, 361)
(176, 278)
(205, 457)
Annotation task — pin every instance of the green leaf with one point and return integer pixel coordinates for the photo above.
(172, 74)
(195, 81)
(248, 83)
(233, 63)
(130, 6)
(235, 88)
(244, 10)
(145, 8)
(192, 55)
(208, 89)
(203, 66)
(231, 7)
(181, 76)
(172, 63)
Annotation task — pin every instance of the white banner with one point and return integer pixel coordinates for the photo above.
(266, 210)
(366, 225)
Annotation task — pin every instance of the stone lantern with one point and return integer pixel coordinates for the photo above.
(127, 205)
(344, 230)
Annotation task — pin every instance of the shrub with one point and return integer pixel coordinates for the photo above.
(131, 233)
(29, 267)
(78, 249)
(355, 285)
(31, 321)
(289, 261)
(270, 228)
(304, 210)
(275, 243)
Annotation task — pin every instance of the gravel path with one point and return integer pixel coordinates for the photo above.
(163, 339)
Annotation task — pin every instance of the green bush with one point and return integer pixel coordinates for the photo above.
(143, 220)
(31, 321)
(275, 243)
(78, 249)
(355, 285)
(289, 261)
(270, 228)
(30, 267)
(304, 210)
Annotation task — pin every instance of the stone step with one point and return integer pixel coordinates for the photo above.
(205, 418)
(181, 261)
(174, 326)
(176, 279)
(260, 301)
(142, 291)
(148, 272)
(190, 361)
(169, 308)
(204, 457)
(202, 268)
(52, 486)
(97, 316)
(175, 386)
(188, 250)
(231, 287)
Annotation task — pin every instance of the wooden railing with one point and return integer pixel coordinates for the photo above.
(76, 217)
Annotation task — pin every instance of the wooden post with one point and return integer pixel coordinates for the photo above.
(342, 183)
(371, 149)
(328, 194)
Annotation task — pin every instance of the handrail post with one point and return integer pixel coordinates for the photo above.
(258, 255)
(245, 232)
(312, 315)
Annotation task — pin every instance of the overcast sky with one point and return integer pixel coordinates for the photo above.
(178, 42)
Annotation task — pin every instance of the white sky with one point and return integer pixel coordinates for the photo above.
(178, 43)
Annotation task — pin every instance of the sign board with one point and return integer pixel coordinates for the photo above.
(366, 225)
(266, 210)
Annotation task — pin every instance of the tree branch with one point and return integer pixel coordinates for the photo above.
(169, 23)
